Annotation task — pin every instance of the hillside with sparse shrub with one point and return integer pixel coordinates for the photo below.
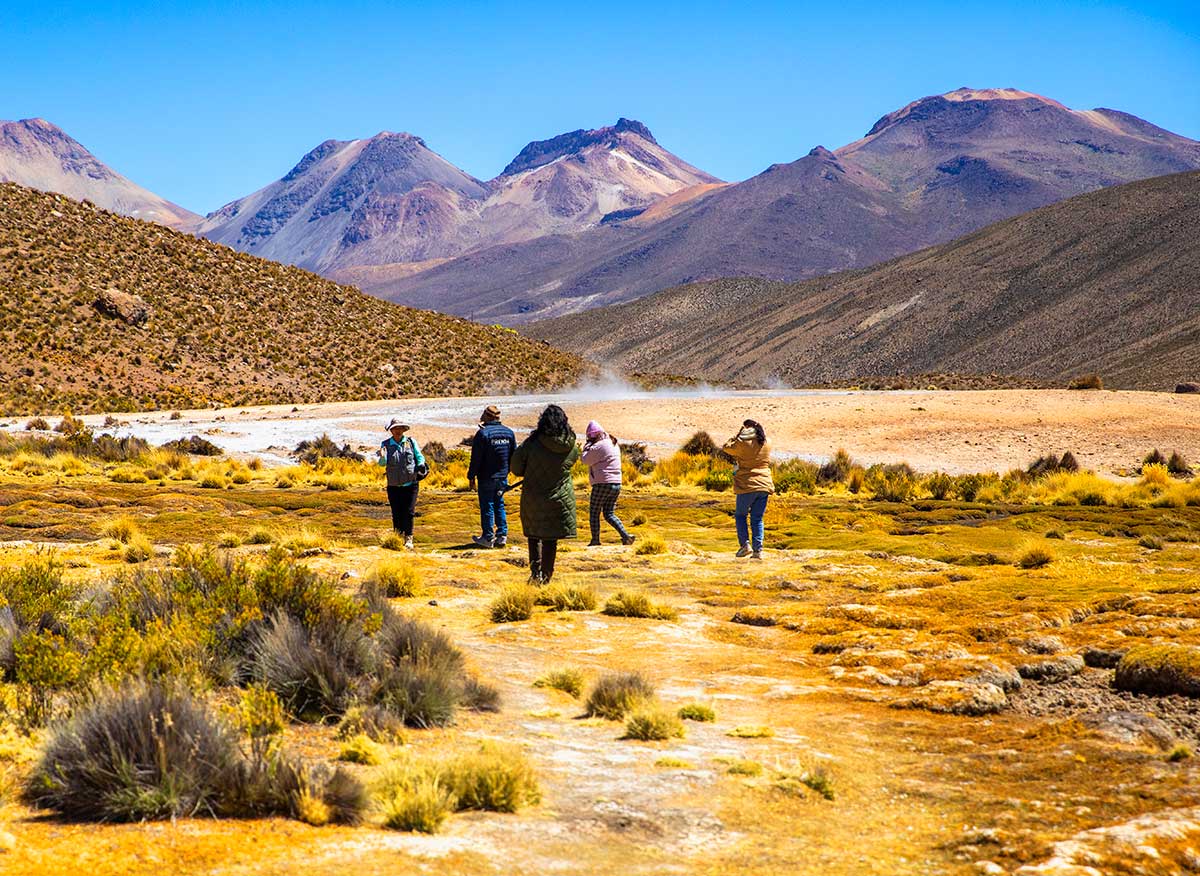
(101, 312)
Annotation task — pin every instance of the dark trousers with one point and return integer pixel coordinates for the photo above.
(542, 552)
(604, 501)
(404, 503)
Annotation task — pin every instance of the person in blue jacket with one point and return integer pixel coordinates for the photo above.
(491, 449)
(405, 467)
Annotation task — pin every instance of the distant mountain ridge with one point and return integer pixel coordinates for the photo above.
(940, 167)
(1103, 282)
(389, 201)
(40, 155)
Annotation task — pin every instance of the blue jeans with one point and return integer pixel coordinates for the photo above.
(752, 505)
(492, 517)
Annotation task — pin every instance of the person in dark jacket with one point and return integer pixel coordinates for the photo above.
(491, 450)
(545, 459)
(405, 466)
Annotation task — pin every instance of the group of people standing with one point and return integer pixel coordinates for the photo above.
(543, 462)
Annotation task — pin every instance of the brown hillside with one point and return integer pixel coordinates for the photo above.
(1105, 282)
(222, 326)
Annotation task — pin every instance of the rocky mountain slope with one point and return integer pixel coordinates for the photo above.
(1103, 282)
(392, 205)
(101, 312)
(931, 171)
(42, 156)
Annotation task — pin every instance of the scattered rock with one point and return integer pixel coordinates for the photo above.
(989, 868)
(1130, 728)
(1040, 644)
(1052, 670)
(1187, 387)
(1103, 658)
(125, 306)
(956, 698)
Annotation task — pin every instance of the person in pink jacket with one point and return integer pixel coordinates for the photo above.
(602, 456)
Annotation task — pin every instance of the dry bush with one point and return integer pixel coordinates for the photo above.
(1034, 558)
(616, 693)
(651, 546)
(1086, 381)
(566, 597)
(395, 579)
(652, 723)
(697, 712)
(569, 680)
(514, 603)
(625, 603)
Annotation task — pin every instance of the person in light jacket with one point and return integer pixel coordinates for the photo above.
(752, 485)
(544, 460)
(602, 456)
(405, 466)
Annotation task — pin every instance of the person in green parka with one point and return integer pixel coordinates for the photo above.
(545, 459)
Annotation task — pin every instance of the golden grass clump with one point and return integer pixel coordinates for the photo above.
(615, 694)
(651, 546)
(751, 731)
(123, 529)
(362, 749)
(697, 712)
(1034, 558)
(395, 579)
(569, 680)
(626, 603)
(138, 549)
(514, 603)
(567, 597)
(652, 723)
(393, 541)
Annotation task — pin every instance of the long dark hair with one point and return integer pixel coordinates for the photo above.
(553, 423)
(760, 434)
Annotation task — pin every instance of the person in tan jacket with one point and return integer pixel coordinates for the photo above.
(752, 484)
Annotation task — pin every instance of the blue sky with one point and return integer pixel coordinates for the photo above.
(203, 102)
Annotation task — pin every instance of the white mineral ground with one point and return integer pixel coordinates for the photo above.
(932, 430)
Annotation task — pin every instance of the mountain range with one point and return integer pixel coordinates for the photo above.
(601, 216)
(1104, 282)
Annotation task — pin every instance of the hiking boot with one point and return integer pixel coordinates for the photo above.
(595, 542)
(628, 540)
(744, 550)
(408, 545)
(482, 542)
(757, 555)
(501, 541)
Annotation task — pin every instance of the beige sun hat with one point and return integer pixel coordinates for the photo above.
(398, 424)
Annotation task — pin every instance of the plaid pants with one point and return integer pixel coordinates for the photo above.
(604, 501)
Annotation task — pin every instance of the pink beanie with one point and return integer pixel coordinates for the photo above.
(593, 429)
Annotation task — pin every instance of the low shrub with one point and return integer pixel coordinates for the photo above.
(1178, 465)
(213, 482)
(939, 485)
(749, 768)
(193, 446)
(421, 693)
(1051, 464)
(229, 540)
(652, 723)
(836, 469)
(314, 672)
(651, 546)
(1086, 381)
(568, 680)
(413, 800)
(638, 519)
(393, 541)
(567, 597)
(362, 749)
(494, 778)
(395, 579)
(625, 603)
(616, 693)
(323, 447)
(120, 528)
(700, 444)
(374, 722)
(1034, 558)
(856, 479)
(136, 753)
(795, 476)
(1151, 542)
(138, 549)
(697, 712)
(37, 424)
(891, 483)
(260, 536)
(514, 603)
(751, 731)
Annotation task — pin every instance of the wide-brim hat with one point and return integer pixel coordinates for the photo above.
(491, 412)
(398, 424)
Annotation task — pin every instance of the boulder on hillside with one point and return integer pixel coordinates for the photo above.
(125, 306)
(1187, 387)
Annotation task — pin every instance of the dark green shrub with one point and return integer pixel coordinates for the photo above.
(795, 476)
(891, 483)
(836, 470)
(195, 446)
(315, 673)
(939, 484)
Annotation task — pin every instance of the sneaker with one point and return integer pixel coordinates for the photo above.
(744, 550)
(628, 540)
(408, 545)
(502, 541)
(757, 555)
(483, 542)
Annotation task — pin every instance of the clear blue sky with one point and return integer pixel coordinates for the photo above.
(204, 102)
